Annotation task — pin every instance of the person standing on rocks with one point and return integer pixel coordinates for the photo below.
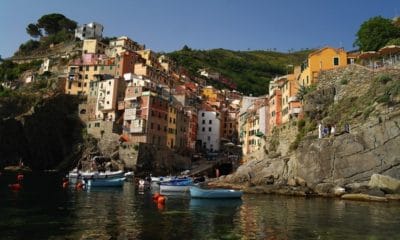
(346, 128)
(333, 130)
(320, 129)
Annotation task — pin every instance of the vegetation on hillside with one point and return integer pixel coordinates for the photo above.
(250, 70)
(377, 32)
(51, 29)
(10, 71)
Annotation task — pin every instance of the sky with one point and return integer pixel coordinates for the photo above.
(168, 25)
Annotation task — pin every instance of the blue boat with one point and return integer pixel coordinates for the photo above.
(181, 185)
(196, 192)
(105, 182)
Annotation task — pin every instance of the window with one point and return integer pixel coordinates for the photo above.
(86, 76)
(87, 68)
(151, 126)
(95, 68)
(335, 61)
(79, 84)
(208, 138)
(210, 121)
(209, 129)
(202, 114)
(203, 129)
(204, 121)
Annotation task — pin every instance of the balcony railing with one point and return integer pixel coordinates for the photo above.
(295, 110)
(293, 99)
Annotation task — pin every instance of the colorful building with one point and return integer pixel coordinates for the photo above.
(323, 59)
(291, 106)
(83, 70)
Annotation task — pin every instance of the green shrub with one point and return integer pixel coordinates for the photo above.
(383, 78)
(344, 82)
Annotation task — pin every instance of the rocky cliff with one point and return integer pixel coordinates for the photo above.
(369, 102)
(47, 136)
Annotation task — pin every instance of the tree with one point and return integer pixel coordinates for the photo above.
(33, 30)
(375, 33)
(394, 41)
(52, 24)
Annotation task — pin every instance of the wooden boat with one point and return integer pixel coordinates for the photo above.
(196, 192)
(105, 182)
(75, 175)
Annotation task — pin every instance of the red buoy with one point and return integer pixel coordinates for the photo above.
(161, 200)
(79, 185)
(20, 177)
(65, 184)
(156, 196)
(15, 186)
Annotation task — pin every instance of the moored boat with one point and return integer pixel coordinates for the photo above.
(174, 188)
(75, 175)
(105, 182)
(196, 192)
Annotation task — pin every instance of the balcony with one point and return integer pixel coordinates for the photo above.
(136, 126)
(293, 99)
(72, 76)
(295, 111)
(121, 105)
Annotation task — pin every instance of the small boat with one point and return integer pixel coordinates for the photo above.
(174, 188)
(162, 179)
(75, 175)
(196, 192)
(105, 182)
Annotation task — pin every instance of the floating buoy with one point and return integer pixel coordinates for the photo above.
(15, 186)
(160, 206)
(79, 185)
(161, 200)
(156, 196)
(20, 177)
(65, 184)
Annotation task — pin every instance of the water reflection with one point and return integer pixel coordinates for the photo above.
(43, 210)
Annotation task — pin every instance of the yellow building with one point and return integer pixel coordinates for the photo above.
(210, 94)
(172, 130)
(323, 59)
(291, 106)
(93, 46)
(149, 56)
(122, 44)
(83, 71)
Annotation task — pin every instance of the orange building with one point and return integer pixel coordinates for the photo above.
(323, 59)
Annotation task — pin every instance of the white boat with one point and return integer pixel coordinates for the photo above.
(105, 182)
(75, 175)
(162, 179)
(196, 192)
(174, 188)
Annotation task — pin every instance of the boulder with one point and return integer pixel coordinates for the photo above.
(385, 183)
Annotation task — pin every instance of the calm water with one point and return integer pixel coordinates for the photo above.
(42, 210)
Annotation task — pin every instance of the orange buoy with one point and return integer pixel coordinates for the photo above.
(161, 200)
(15, 186)
(79, 185)
(65, 184)
(160, 206)
(20, 177)
(156, 196)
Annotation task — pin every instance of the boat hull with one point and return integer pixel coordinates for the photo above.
(105, 182)
(196, 192)
(174, 188)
